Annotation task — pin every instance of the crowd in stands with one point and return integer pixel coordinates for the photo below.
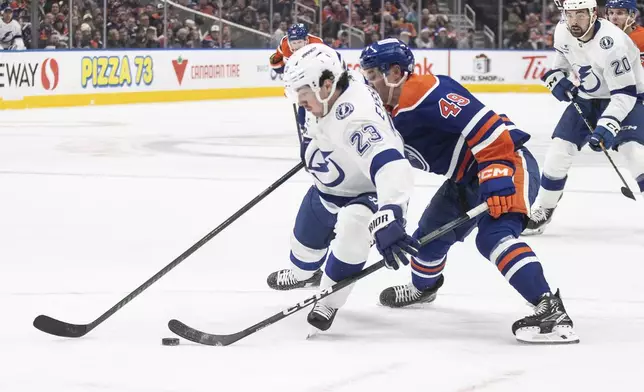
(140, 23)
(526, 25)
(343, 24)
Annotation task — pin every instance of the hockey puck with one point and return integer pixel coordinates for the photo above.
(170, 341)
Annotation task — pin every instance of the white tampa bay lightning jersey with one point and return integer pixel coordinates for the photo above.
(11, 35)
(355, 149)
(607, 67)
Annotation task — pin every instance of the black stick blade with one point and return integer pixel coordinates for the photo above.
(628, 193)
(197, 336)
(59, 328)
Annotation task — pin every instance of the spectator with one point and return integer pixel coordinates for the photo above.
(97, 41)
(510, 25)
(181, 40)
(534, 42)
(139, 39)
(264, 26)
(343, 40)
(443, 41)
(124, 37)
(424, 41)
(405, 36)
(144, 21)
(211, 40)
(152, 40)
(375, 36)
(467, 42)
(519, 37)
(226, 41)
(54, 38)
(113, 38)
(278, 34)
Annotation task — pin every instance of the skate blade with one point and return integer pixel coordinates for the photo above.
(531, 232)
(313, 332)
(560, 335)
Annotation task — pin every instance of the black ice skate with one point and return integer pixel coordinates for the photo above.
(285, 280)
(321, 316)
(541, 217)
(550, 324)
(405, 295)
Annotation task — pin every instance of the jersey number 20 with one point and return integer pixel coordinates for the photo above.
(620, 67)
(452, 105)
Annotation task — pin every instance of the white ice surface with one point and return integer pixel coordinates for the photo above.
(94, 201)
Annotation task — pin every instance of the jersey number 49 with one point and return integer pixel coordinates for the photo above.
(452, 105)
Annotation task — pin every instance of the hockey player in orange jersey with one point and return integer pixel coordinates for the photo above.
(622, 13)
(296, 37)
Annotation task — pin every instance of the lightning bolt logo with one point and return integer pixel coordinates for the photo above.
(325, 170)
(584, 73)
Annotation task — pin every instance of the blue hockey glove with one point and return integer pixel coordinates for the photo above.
(604, 133)
(559, 85)
(388, 230)
(497, 188)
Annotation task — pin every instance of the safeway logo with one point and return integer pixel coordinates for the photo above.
(49, 74)
(179, 66)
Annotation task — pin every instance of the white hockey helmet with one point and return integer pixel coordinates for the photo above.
(590, 5)
(305, 68)
(570, 5)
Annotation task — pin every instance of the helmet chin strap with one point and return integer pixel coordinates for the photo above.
(627, 24)
(591, 25)
(325, 101)
(392, 87)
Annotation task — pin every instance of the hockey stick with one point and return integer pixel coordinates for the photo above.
(196, 336)
(297, 123)
(60, 328)
(626, 191)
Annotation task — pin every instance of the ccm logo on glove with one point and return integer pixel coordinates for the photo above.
(495, 171)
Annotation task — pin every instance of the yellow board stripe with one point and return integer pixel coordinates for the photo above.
(48, 101)
(506, 88)
(116, 98)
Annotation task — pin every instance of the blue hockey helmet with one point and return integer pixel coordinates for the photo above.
(630, 5)
(386, 53)
(297, 31)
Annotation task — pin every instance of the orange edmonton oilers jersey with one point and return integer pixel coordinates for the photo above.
(448, 131)
(284, 51)
(637, 35)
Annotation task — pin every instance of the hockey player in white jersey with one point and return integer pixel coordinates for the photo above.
(607, 64)
(362, 180)
(10, 31)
